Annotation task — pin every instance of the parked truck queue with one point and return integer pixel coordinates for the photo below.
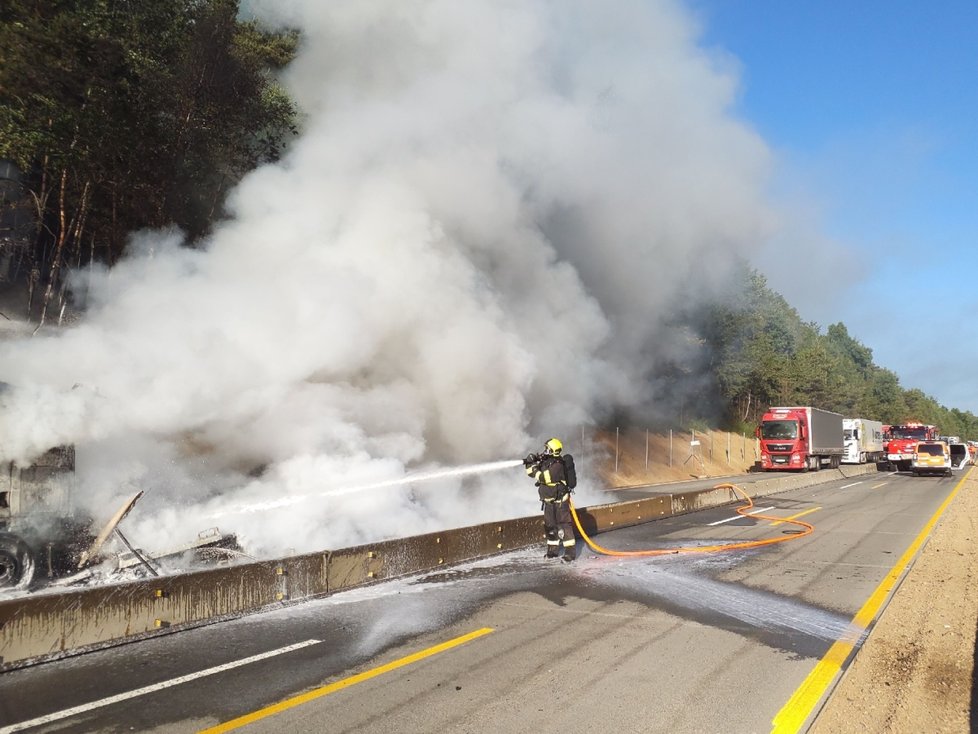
(805, 438)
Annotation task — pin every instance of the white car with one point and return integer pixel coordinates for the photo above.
(960, 456)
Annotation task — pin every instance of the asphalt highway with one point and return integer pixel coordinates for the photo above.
(707, 642)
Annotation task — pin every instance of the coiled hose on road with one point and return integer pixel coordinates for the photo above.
(742, 510)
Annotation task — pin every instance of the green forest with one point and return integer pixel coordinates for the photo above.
(121, 116)
(124, 116)
(764, 354)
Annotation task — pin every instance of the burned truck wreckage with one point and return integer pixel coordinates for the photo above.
(46, 539)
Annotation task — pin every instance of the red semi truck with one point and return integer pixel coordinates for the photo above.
(899, 442)
(800, 438)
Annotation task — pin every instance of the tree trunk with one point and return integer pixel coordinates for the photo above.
(66, 230)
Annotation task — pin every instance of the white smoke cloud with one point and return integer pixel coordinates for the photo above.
(470, 247)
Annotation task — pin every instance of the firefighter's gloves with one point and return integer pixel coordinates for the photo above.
(531, 459)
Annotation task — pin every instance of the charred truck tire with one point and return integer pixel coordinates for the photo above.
(16, 562)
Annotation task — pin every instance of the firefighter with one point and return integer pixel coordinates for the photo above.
(555, 477)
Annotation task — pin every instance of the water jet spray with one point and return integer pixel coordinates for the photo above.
(460, 471)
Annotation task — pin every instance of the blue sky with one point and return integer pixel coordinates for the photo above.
(871, 109)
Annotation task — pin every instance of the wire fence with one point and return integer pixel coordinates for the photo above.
(637, 451)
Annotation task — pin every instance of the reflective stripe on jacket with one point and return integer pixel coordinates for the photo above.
(549, 471)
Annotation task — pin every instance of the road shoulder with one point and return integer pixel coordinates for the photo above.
(914, 672)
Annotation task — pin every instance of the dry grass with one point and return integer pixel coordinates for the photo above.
(642, 460)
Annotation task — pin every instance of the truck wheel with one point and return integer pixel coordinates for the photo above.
(16, 562)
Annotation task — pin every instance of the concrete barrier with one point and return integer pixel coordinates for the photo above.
(48, 626)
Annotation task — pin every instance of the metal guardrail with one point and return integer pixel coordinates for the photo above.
(48, 626)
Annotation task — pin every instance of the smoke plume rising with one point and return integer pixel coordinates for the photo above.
(473, 244)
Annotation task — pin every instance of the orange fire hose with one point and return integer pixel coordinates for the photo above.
(742, 510)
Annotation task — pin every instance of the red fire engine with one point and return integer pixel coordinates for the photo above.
(899, 441)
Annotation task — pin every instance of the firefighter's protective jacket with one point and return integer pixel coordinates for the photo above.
(550, 476)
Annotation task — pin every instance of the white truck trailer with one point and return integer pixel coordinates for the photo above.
(863, 441)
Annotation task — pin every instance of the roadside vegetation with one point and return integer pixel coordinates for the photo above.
(764, 355)
(122, 116)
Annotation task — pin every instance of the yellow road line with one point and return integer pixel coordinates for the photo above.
(345, 683)
(799, 707)
(877, 486)
(795, 517)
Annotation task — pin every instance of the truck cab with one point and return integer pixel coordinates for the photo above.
(781, 440)
(902, 439)
(862, 441)
(39, 530)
